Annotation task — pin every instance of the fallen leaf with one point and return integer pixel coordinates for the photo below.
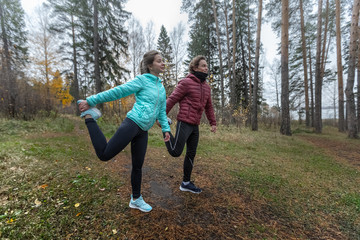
(10, 221)
(114, 231)
(78, 214)
(44, 186)
(102, 189)
(87, 168)
(77, 205)
(166, 228)
(37, 203)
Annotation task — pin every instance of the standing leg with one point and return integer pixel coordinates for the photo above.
(191, 146)
(138, 150)
(107, 150)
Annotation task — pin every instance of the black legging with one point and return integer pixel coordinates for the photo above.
(128, 131)
(189, 134)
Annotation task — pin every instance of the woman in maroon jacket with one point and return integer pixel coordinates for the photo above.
(194, 96)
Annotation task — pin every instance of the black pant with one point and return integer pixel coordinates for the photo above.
(189, 134)
(128, 132)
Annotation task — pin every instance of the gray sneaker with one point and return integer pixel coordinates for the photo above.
(190, 187)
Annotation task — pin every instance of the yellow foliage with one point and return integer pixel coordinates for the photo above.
(61, 90)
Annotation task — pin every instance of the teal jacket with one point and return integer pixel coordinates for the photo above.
(150, 99)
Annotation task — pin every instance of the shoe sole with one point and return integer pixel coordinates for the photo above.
(188, 190)
(136, 207)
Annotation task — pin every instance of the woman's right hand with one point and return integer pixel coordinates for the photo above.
(83, 106)
(167, 137)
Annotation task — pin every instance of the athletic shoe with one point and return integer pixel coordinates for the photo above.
(190, 187)
(139, 204)
(94, 112)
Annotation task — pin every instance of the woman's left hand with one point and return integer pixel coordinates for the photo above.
(213, 128)
(167, 137)
(83, 106)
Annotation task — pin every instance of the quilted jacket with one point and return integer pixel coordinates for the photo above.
(194, 97)
(150, 100)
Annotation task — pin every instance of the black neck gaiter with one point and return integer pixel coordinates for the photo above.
(201, 75)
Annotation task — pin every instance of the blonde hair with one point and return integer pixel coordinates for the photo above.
(147, 60)
(195, 63)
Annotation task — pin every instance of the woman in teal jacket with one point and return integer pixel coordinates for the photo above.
(150, 105)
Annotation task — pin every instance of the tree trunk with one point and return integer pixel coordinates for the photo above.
(76, 82)
(228, 42)
(221, 63)
(234, 56)
(244, 99)
(249, 50)
(9, 76)
(285, 111)
(318, 79)
(358, 91)
(323, 51)
(312, 110)
(353, 47)
(96, 49)
(341, 125)
(254, 120)
(306, 81)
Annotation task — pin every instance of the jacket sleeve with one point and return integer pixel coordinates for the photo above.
(176, 95)
(209, 111)
(117, 92)
(162, 116)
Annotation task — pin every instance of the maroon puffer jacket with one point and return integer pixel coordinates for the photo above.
(193, 96)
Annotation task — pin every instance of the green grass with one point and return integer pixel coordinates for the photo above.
(46, 169)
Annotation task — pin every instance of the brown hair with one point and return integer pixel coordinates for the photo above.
(147, 60)
(195, 63)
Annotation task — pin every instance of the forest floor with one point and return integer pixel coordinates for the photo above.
(340, 150)
(255, 186)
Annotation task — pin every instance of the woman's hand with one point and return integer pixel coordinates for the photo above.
(83, 106)
(213, 128)
(167, 137)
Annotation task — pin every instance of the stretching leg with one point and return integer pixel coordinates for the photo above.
(191, 146)
(107, 150)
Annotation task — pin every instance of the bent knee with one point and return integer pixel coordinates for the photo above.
(175, 154)
(104, 158)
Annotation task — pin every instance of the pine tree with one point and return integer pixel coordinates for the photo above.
(13, 54)
(203, 40)
(165, 48)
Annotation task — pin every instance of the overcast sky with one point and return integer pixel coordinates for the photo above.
(161, 12)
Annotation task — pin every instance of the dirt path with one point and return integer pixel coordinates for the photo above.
(345, 152)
